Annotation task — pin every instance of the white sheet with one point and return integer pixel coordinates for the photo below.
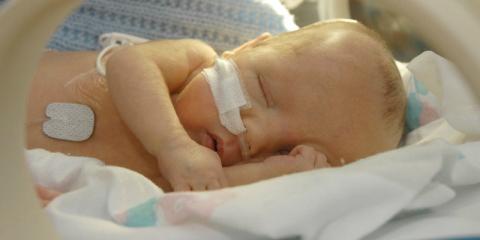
(428, 191)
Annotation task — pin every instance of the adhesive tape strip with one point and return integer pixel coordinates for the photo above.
(69, 121)
(228, 94)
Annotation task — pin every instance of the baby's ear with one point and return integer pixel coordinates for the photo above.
(308, 153)
(249, 44)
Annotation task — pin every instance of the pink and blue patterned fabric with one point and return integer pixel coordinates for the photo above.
(422, 106)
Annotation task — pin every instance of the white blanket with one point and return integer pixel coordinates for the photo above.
(411, 193)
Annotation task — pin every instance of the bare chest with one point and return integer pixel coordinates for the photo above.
(71, 78)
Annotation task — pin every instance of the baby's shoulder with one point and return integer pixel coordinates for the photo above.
(198, 51)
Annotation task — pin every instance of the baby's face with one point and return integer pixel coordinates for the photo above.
(314, 99)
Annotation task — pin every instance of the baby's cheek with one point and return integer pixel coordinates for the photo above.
(195, 106)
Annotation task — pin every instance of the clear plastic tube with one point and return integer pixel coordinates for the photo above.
(244, 147)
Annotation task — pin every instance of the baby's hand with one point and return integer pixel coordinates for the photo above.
(307, 158)
(301, 158)
(193, 167)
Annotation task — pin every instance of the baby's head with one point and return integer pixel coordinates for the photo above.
(332, 85)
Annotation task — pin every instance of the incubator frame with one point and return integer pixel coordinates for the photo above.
(27, 25)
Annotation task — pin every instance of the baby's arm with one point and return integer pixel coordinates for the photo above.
(301, 158)
(141, 79)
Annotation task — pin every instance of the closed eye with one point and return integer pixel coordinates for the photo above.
(264, 90)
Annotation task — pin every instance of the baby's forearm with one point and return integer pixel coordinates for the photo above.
(257, 171)
(142, 78)
(142, 98)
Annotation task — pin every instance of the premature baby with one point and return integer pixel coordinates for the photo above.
(325, 95)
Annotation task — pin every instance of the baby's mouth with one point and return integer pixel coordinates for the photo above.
(213, 142)
(218, 144)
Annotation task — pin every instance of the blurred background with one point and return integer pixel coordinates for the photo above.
(395, 30)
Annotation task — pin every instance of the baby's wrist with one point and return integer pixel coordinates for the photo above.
(171, 147)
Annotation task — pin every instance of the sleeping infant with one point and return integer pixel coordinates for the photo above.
(172, 110)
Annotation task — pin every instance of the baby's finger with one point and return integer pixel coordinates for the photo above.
(199, 186)
(321, 161)
(213, 185)
(222, 180)
(181, 187)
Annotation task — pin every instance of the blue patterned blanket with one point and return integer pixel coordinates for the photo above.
(224, 24)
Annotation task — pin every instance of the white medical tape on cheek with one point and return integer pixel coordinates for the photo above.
(228, 94)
